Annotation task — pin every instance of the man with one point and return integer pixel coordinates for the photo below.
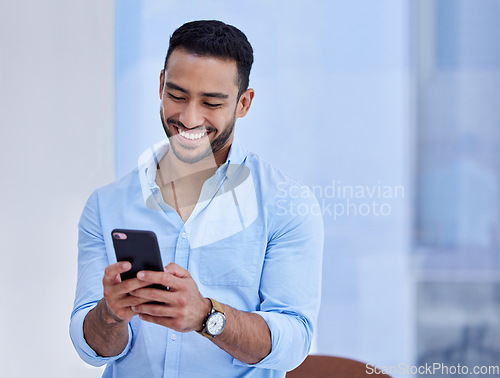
(243, 242)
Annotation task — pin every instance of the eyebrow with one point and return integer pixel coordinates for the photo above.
(219, 95)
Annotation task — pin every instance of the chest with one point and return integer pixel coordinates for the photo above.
(182, 198)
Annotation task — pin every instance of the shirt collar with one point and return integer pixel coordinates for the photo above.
(236, 157)
(148, 162)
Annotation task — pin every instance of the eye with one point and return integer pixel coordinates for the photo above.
(212, 105)
(175, 98)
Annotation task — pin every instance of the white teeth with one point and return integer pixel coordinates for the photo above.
(191, 136)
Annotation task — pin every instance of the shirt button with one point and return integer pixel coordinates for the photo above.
(173, 336)
(183, 235)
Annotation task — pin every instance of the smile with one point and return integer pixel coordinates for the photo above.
(191, 135)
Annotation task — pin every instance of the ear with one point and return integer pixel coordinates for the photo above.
(162, 81)
(244, 103)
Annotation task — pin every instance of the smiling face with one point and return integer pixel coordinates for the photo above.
(200, 105)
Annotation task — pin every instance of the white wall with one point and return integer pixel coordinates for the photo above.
(56, 146)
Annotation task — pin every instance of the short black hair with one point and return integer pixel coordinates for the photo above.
(216, 39)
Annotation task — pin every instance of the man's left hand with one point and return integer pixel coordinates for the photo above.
(182, 308)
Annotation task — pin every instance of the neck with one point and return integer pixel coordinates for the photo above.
(173, 170)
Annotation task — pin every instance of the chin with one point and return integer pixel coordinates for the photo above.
(190, 155)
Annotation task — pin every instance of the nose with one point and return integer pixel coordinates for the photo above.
(191, 115)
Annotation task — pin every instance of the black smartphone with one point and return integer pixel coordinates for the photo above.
(141, 249)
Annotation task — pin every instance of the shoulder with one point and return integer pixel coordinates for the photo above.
(277, 183)
(121, 188)
(286, 201)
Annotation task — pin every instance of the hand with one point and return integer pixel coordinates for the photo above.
(116, 299)
(184, 308)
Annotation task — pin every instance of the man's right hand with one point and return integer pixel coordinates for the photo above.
(105, 327)
(117, 300)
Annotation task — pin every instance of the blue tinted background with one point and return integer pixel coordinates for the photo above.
(389, 110)
(332, 108)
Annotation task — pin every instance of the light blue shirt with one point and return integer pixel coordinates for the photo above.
(254, 241)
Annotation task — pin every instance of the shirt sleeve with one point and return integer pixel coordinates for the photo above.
(92, 260)
(291, 281)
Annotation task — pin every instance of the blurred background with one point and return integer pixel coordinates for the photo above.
(388, 110)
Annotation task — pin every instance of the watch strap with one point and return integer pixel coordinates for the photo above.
(217, 306)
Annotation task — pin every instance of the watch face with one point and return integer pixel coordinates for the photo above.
(216, 323)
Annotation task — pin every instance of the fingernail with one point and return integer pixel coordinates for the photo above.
(134, 309)
(124, 265)
(140, 275)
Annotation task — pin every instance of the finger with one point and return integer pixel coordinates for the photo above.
(131, 301)
(155, 310)
(153, 294)
(113, 271)
(128, 286)
(161, 278)
(176, 270)
(154, 319)
(117, 291)
(121, 305)
(167, 321)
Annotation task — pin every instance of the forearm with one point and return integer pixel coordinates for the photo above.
(246, 336)
(106, 334)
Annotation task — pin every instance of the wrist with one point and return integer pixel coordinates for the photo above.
(107, 315)
(207, 308)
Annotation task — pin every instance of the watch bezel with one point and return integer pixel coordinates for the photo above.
(219, 330)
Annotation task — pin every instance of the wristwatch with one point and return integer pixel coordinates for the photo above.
(215, 322)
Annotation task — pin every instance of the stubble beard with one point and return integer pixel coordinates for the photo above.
(191, 158)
